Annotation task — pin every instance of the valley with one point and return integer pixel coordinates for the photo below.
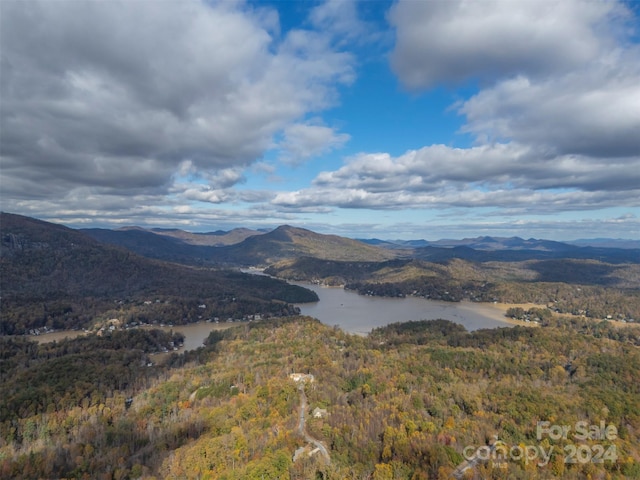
(180, 362)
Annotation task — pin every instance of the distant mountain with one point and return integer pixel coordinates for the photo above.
(483, 249)
(218, 238)
(394, 244)
(606, 243)
(289, 242)
(154, 245)
(257, 249)
(478, 243)
(377, 242)
(413, 243)
(44, 264)
(608, 255)
(502, 243)
(172, 244)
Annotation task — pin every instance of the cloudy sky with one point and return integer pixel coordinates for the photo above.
(408, 119)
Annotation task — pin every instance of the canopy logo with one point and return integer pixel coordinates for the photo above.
(595, 446)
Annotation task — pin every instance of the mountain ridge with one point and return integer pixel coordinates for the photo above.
(485, 248)
(60, 277)
(246, 247)
(286, 241)
(481, 243)
(256, 249)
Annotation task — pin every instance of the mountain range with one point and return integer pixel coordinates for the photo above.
(247, 247)
(58, 275)
(244, 247)
(506, 243)
(513, 249)
(218, 238)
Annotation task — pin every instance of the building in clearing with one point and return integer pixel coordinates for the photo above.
(301, 377)
(319, 412)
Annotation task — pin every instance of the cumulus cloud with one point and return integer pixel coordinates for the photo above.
(510, 202)
(557, 75)
(304, 140)
(145, 109)
(594, 111)
(453, 41)
(499, 175)
(556, 123)
(341, 19)
(116, 96)
(489, 166)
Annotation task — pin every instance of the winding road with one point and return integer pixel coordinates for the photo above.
(302, 430)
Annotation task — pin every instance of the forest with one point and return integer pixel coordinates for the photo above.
(402, 403)
(57, 277)
(410, 401)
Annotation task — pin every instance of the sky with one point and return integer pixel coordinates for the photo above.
(377, 119)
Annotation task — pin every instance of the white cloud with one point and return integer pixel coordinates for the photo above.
(305, 140)
(225, 178)
(117, 96)
(341, 19)
(499, 176)
(497, 165)
(560, 76)
(143, 109)
(556, 120)
(205, 194)
(594, 111)
(453, 41)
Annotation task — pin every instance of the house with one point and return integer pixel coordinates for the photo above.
(319, 412)
(301, 377)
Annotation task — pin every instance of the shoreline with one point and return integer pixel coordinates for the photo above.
(496, 311)
(503, 307)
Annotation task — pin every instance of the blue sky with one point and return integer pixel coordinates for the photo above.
(403, 119)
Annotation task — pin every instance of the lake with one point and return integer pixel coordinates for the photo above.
(360, 314)
(194, 333)
(353, 313)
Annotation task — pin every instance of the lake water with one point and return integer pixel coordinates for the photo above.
(360, 314)
(353, 313)
(194, 333)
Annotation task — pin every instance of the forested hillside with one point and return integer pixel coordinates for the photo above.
(403, 403)
(57, 277)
